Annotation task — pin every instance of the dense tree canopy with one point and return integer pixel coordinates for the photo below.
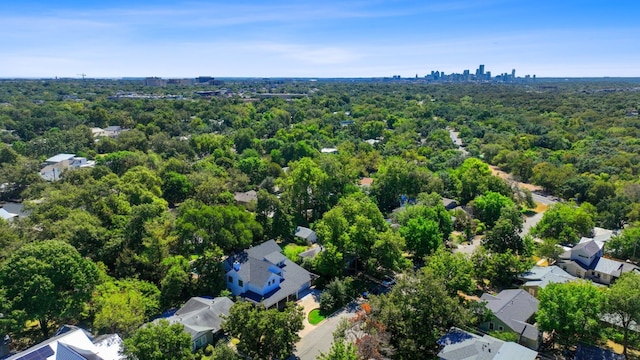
(572, 310)
(47, 281)
(417, 312)
(565, 222)
(264, 334)
(159, 204)
(158, 341)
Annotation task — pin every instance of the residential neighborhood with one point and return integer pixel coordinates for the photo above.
(297, 219)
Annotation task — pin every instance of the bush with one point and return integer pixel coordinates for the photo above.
(505, 335)
(338, 293)
(208, 350)
(327, 303)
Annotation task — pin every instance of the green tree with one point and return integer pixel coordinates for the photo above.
(264, 334)
(473, 175)
(488, 207)
(121, 306)
(222, 351)
(158, 341)
(397, 177)
(176, 284)
(417, 312)
(422, 236)
(47, 281)
(357, 229)
(505, 234)
(176, 187)
(340, 350)
(500, 269)
(623, 303)
(200, 227)
(306, 189)
(454, 270)
(429, 208)
(565, 222)
(330, 262)
(571, 309)
(625, 245)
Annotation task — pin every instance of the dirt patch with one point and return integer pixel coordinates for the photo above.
(506, 176)
(540, 208)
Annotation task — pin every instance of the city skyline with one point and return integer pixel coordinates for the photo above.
(325, 39)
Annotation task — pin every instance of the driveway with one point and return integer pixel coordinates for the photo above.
(318, 340)
(469, 248)
(308, 302)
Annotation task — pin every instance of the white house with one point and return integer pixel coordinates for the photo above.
(73, 343)
(585, 261)
(263, 274)
(458, 344)
(60, 163)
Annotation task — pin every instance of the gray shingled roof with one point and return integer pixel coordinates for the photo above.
(254, 268)
(514, 307)
(587, 248)
(608, 266)
(303, 232)
(541, 276)
(201, 314)
(461, 345)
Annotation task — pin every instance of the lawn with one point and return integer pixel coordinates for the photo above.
(291, 251)
(315, 317)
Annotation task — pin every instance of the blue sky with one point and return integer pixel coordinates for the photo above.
(330, 38)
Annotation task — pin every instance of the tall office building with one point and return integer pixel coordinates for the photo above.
(481, 70)
(513, 74)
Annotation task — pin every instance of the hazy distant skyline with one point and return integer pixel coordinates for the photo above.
(331, 38)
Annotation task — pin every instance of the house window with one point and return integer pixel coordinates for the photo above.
(490, 326)
(230, 279)
(240, 283)
(500, 328)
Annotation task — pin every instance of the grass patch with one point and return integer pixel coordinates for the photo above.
(315, 317)
(291, 251)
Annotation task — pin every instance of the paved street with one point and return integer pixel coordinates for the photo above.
(531, 221)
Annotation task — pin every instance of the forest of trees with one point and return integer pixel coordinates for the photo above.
(113, 246)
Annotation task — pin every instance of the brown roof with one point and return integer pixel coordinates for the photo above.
(367, 181)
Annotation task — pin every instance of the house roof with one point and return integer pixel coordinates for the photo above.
(311, 253)
(16, 208)
(246, 197)
(514, 307)
(255, 268)
(60, 157)
(541, 276)
(4, 214)
(461, 345)
(608, 266)
(587, 248)
(303, 232)
(449, 204)
(366, 181)
(200, 315)
(72, 344)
